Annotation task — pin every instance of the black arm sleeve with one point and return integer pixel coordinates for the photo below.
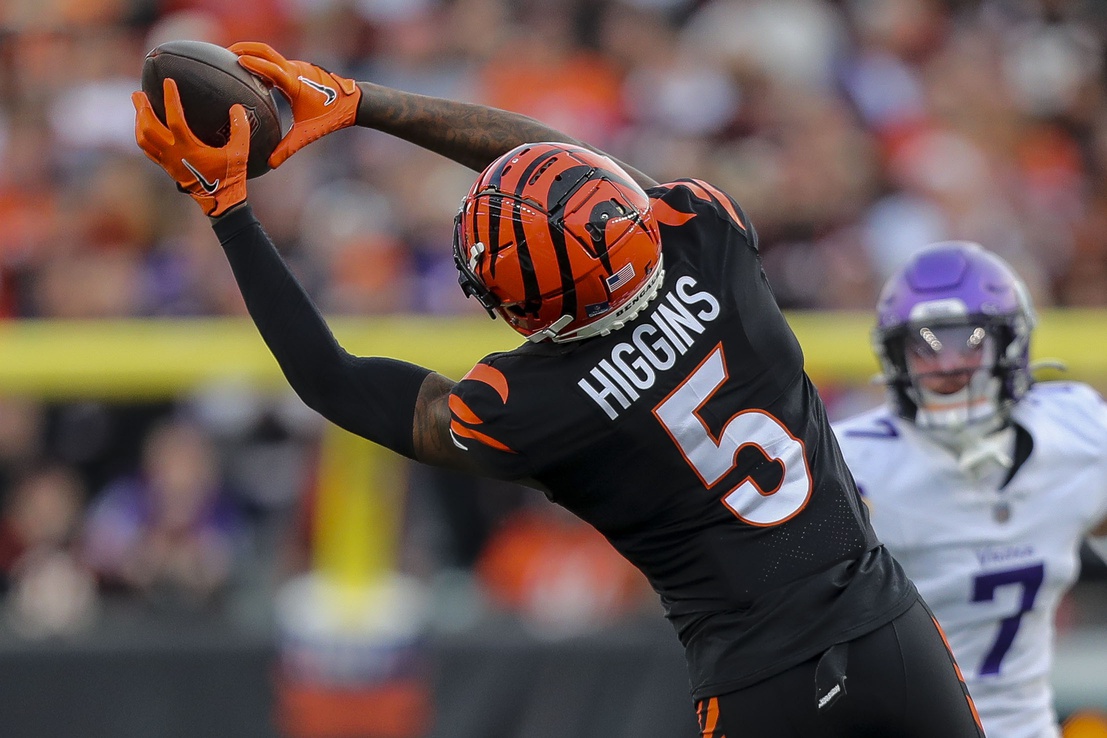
(372, 397)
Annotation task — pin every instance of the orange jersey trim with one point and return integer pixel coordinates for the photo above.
(495, 379)
(960, 676)
(709, 718)
(666, 214)
(491, 376)
(708, 192)
(463, 412)
(463, 432)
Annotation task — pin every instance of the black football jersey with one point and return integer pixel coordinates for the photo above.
(694, 441)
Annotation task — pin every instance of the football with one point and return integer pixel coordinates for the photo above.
(210, 81)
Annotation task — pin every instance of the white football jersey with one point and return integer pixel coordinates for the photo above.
(992, 563)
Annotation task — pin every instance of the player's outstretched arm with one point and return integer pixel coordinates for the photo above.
(431, 427)
(373, 397)
(322, 102)
(399, 405)
(470, 134)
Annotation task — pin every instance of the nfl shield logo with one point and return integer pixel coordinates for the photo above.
(597, 309)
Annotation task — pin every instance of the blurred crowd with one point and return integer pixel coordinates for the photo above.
(852, 131)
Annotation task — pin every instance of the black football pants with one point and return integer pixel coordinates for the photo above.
(899, 681)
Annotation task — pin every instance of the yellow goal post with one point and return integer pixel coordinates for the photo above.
(359, 498)
(158, 359)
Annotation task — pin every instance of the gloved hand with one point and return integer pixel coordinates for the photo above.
(214, 177)
(322, 102)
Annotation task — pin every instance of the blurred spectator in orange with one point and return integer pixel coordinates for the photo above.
(548, 73)
(170, 531)
(1086, 724)
(559, 574)
(264, 20)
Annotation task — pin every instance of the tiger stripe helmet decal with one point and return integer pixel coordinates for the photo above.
(559, 241)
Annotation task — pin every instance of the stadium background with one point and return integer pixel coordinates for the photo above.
(310, 585)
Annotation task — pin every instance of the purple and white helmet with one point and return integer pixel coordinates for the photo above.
(955, 297)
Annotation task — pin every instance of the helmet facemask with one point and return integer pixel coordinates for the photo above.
(956, 380)
(952, 378)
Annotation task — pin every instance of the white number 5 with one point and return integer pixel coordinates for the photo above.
(713, 458)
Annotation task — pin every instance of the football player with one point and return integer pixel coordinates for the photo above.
(981, 482)
(658, 394)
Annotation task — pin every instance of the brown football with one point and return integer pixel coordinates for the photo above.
(210, 81)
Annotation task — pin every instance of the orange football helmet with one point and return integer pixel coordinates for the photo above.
(559, 241)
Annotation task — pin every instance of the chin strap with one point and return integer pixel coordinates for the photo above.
(551, 330)
(1098, 544)
(993, 452)
(980, 454)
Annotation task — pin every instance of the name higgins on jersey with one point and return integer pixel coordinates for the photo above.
(654, 346)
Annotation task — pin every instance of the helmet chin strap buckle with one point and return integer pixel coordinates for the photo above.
(994, 450)
(551, 330)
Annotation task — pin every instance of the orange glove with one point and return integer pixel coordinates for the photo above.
(216, 178)
(322, 102)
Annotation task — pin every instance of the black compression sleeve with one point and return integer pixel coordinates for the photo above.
(372, 397)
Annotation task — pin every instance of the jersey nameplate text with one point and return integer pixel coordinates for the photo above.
(654, 346)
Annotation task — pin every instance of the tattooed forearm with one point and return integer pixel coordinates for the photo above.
(431, 423)
(431, 432)
(472, 135)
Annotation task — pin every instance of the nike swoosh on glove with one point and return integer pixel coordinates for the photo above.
(322, 102)
(214, 177)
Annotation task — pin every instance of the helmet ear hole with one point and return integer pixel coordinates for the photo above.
(521, 309)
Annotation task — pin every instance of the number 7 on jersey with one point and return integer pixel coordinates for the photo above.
(714, 458)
